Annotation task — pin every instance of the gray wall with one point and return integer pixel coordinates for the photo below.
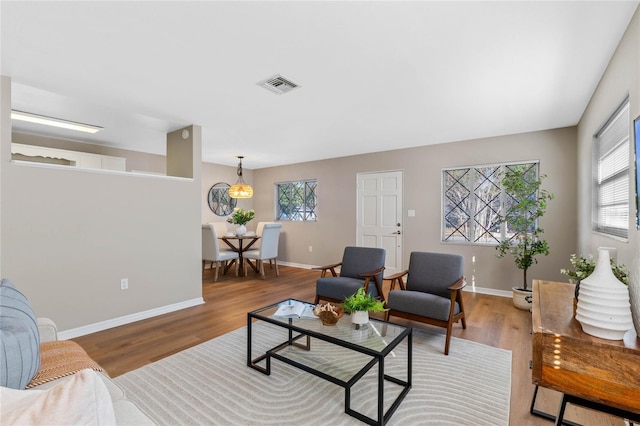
(621, 78)
(152, 163)
(422, 168)
(336, 225)
(69, 236)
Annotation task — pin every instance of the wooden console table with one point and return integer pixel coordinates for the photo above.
(589, 371)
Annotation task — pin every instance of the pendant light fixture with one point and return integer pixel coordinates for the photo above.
(240, 189)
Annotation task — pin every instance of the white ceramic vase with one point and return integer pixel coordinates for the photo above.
(360, 317)
(603, 306)
(241, 230)
(634, 293)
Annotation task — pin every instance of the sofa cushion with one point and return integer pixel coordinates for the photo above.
(421, 304)
(115, 392)
(83, 399)
(19, 338)
(59, 359)
(341, 287)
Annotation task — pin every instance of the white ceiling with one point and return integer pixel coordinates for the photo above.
(375, 75)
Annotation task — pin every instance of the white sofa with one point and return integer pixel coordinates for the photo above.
(126, 412)
(86, 397)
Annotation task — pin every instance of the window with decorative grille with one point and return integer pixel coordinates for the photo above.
(611, 151)
(297, 201)
(474, 201)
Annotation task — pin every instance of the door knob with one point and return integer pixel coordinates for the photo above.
(397, 232)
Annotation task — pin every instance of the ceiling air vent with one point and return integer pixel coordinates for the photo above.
(278, 84)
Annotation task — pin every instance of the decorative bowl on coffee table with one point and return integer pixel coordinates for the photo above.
(329, 314)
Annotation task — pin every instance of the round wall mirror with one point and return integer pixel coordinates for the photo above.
(219, 200)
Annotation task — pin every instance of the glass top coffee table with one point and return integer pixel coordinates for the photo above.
(292, 340)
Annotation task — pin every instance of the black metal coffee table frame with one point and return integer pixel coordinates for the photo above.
(378, 357)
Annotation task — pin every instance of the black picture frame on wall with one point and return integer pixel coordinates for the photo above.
(636, 130)
(219, 200)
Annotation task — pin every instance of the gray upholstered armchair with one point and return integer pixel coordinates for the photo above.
(433, 291)
(359, 266)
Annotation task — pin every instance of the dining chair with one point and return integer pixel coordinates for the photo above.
(221, 230)
(211, 250)
(432, 293)
(268, 248)
(359, 266)
(259, 230)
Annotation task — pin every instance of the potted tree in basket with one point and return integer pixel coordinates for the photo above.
(360, 304)
(527, 202)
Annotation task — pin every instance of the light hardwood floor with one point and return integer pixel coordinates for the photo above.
(491, 320)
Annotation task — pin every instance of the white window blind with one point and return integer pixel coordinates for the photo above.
(611, 175)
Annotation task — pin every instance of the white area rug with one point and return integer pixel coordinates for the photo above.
(211, 384)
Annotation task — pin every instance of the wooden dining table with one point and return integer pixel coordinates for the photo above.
(237, 244)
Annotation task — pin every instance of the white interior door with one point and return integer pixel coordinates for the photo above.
(380, 215)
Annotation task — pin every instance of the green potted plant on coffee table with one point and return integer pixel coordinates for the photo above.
(360, 304)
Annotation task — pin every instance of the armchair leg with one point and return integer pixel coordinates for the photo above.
(464, 319)
(215, 277)
(262, 269)
(275, 262)
(448, 338)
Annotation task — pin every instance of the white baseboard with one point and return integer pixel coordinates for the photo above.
(489, 291)
(297, 265)
(115, 322)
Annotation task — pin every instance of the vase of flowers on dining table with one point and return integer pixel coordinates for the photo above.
(240, 218)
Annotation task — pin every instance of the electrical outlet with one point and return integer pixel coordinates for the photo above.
(310, 249)
(124, 283)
